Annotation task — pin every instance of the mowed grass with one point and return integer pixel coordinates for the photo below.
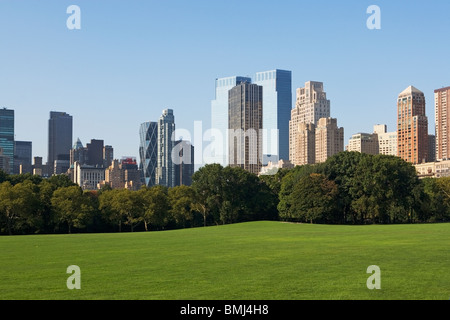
(251, 261)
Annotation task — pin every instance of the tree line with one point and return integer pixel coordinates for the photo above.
(349, 188)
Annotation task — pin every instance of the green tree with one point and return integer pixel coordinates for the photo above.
(314, 199)
(155, 207)
(70, 207)
(207, 184)
(180, 200)
(289, 180)
(108, 209)
(17, 205)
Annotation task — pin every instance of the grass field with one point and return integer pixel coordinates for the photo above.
(252, 261)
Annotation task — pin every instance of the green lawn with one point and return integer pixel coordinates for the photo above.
(259, 260)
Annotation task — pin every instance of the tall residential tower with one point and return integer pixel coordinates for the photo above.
(412, 126)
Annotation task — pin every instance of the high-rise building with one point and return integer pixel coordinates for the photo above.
(59, 137)
(23, 157)
(329, 139)
(78, 153)
(165, 170)
(364, 143)
(219, 117)
(148, 152)
(108, 156)
(310, 106)
(387, 141)
(95, 152)
(431, 148)
(184, 165)
(412, 126)
(7, 138)
(305, 149)
(442, 123)
(245, 121)
(277, 100)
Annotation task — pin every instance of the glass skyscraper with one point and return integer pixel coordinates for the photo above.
(7, 136)
(219, 117)
(277, 101)
(59, 137)
(245, 113)
(165, 173)
(277, 98)
(23, 157)
(148, 152)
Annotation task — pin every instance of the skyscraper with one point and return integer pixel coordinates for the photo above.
(245, 121)
(165, 171)
(184, 165)
(219, 117)
(7, 138)
(59, 137)
(412, 126)
(95, 152)
(148, 152)
(311, 105)
(23, 157)
(329, 139)
(442, 122)
(277, 100)
(305, 150)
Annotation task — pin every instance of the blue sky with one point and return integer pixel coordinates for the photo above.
(132, 59)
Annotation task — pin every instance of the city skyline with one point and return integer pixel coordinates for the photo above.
(117, 70)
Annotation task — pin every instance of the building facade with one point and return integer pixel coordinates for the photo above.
(59, 137)
(412, 126)
(245, 123)
(442, 123)
(387, 141)
(7, 138)
(23, 157)
(165, 174)
(123, 174)
(148, 152)
(88, 177)
(277, 100)
(329, 139)
(219, 118)
(311, 105)
(364, 143)
(305, 148)
(183, 157)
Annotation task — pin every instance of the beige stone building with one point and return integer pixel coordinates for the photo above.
(433, 169)
(305, 148)
(412, 126)
(364, 143)
(311, 105)
(387, 141)
(442, 123)
(329, 139)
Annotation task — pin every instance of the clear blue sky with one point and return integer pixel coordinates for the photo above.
(132, 59)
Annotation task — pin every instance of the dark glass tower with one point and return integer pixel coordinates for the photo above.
(7, 136)
(59, 137)
(148, 152)
(184, 165)
(23, 157)
(245, 123)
